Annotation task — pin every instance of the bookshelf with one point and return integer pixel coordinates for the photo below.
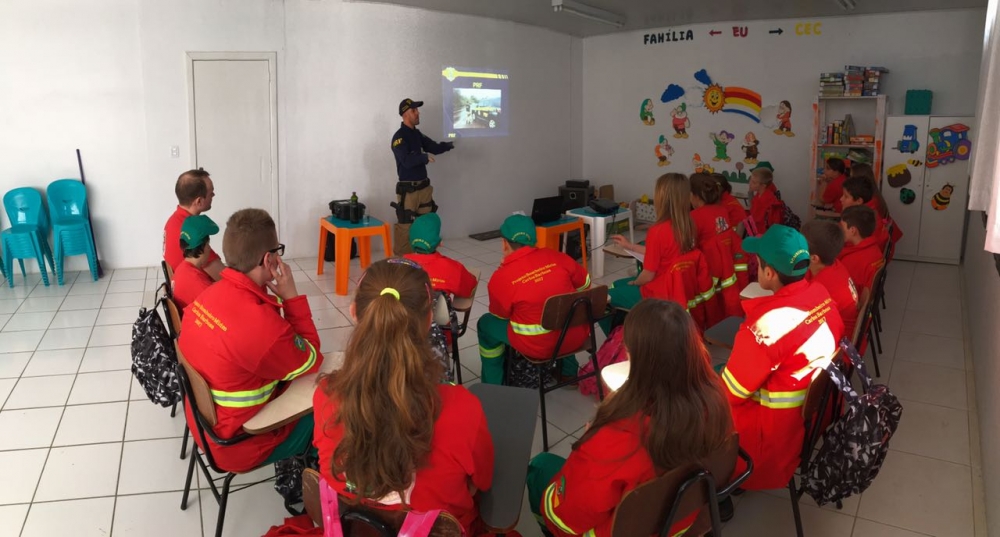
(860, 116)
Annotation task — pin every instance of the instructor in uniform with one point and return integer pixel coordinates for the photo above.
(414, 193)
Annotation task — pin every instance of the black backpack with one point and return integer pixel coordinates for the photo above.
(154, 358)
(788, 217)
(855, 445)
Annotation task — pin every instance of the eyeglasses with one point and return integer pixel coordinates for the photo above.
(280, 250)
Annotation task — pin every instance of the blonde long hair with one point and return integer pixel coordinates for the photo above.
(672, 199)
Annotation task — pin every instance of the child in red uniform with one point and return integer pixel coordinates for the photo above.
(861, 190)
(765, 206)
(673, 234)
(737, 213)
(384, 426)
(785, 339)
(671, 411)
(834, 175)
(826, 240)
(447, 275)
(190, 278)
(862, 255)
(720, 245)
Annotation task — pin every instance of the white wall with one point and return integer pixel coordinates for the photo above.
(982, 294)
(348, 66)
(937, 50)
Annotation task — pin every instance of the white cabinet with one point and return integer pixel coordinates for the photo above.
(925, 182)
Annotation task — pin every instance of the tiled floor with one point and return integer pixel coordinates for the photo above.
(82, 452)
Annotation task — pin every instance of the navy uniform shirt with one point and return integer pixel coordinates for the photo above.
(410, 147)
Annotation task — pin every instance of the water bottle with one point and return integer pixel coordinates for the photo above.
(353, 208)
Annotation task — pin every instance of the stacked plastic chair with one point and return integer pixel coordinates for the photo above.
(27, 236)
(70, 224)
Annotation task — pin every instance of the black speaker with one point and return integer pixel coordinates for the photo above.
(574, 198)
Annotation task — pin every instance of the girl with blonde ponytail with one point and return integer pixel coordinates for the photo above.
(386, 430)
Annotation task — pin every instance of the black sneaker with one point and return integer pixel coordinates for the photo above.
(726, 509)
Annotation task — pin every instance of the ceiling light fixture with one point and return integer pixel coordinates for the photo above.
(847, 5)
(588, 12)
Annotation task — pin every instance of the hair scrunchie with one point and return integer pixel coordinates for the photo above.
(390, 291)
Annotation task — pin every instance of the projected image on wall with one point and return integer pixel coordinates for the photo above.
(474, 102)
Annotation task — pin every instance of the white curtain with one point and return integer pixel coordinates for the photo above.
(984, 193)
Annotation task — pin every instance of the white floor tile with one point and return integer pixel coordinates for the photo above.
(20, 471)
(103, 387)
(65, 338)
(6, 386)
(258, 475)
(342, 302)
(127, 286)
(79, 518)
(157, 515)
(319, 302)
(73, 318)
(32, 305)
(12, 364)
(115, 357)
(115, 334)
(129, 274)
(334, 339)
(29, 321)
(54, 362)
(929, 384)
(922, 495)
(147, 421)
(933, 431)
(77, 472)
(40, 392)
(125, 315)
(250, 512)
(153, 273)
(52, 290)
(762, 514)
(931, 350)
(10, 305)
(569, 409)
(331, 318)
(19, 291)
(82, 302)
(867, 528)
(20, 341)
(152, 466)
(121, 300)
(12, 519)
(89, 287)
(26, 429)
(92, 424)
(934, 323)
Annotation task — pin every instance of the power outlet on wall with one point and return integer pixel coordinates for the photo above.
(175, 151)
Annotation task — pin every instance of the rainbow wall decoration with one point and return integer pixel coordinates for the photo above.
(731, 99)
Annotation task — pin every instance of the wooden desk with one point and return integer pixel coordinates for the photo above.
(295, 402)
(344, 232)
(548, 234)
(724, 333)
(510, 416)
(598, 232)
(754, 290)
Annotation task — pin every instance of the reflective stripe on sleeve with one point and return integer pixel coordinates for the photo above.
(586, 284)
(528, 329)
(550, 512)
(246, 398)
(734, 386)
(727, 282)
(311, 361)
(780, 399)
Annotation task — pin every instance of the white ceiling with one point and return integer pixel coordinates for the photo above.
(645, 14)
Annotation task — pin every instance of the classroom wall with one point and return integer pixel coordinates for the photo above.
(110, 78)
(937, 50)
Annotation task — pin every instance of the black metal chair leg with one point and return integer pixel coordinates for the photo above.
(222, 504)
(597, 376)
(878, 373)
(187, 484)
(878, 338)
(795, 507)
(541, 398)
(173, 410)
(184, 443)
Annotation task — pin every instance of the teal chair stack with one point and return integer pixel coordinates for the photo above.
(27, 236)
(70, 224)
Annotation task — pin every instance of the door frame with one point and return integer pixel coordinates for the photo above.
(272, 69)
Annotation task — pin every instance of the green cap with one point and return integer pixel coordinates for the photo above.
(520, 229)
(196, 230)
(782, 248)
(762, 164)
(425, 233)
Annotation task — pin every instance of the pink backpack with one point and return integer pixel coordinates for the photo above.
(612, 351)
(414, 525)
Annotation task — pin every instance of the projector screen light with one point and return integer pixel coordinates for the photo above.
(588, 12)
(474, 102)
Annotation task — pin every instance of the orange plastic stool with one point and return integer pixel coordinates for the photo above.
(548, 234)
(344, 232)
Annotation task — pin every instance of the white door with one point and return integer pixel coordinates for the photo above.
(234, 131)
(946, 188)
(903, 177)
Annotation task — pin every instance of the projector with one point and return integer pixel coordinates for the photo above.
(602, 206)
(342, 209)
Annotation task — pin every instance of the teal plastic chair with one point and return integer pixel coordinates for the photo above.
(70, 224)
(27, 237)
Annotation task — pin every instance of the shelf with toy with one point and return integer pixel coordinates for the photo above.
(848, 146)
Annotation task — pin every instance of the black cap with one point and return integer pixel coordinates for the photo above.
(407, 104)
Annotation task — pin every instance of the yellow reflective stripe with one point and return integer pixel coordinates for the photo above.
(740, 267)
(693, 303)
(586, 284)
(246, 398)
(550, 512)
(734, 385)
(495, 352)
(780, 399)
(707, 295)
(590, 533)
(727, 282)
(311, 361)
(528, 329)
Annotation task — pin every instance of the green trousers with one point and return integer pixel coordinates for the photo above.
(493, 343)
(298, 442)
(541, 471)
(623, 295)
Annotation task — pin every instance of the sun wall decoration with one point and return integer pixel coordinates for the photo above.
(732, 99)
